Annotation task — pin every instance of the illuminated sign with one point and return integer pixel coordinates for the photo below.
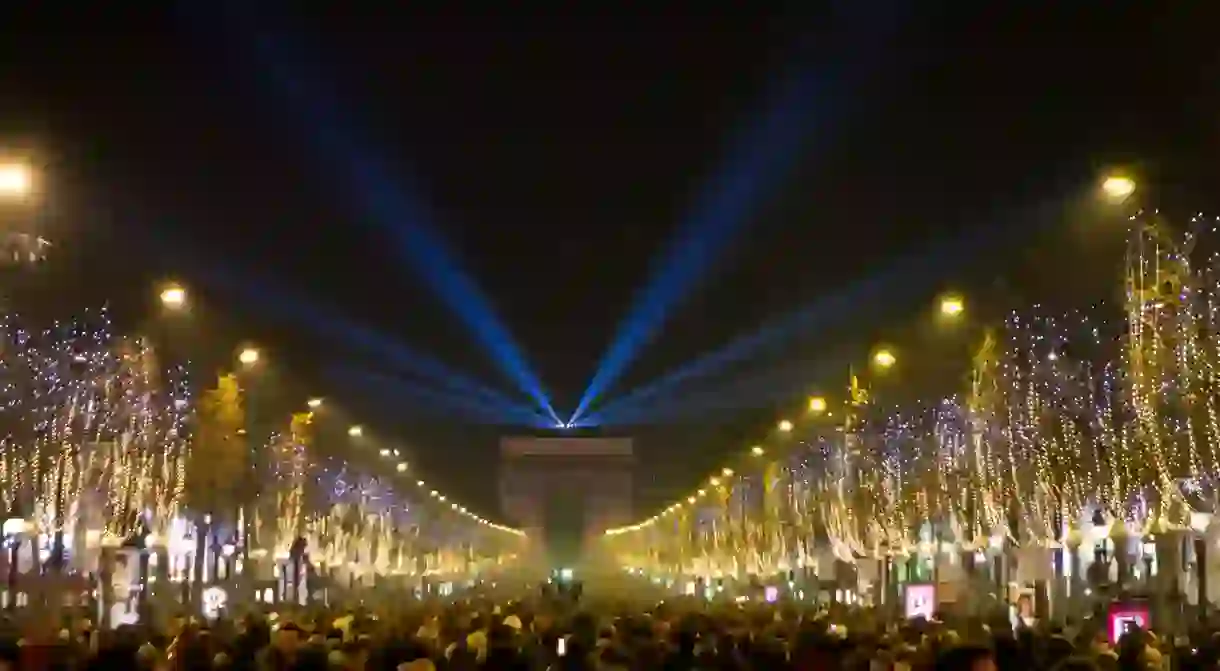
(1127, 616)
(920, 601)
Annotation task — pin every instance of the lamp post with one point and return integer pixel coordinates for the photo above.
(16, 180)
(17, 190)
(15, 526)
(1118, 188)
(173, 297)
(952, 306)
(249, 358)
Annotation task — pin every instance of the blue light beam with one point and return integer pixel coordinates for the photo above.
(467, 408)
(757, 163)
(912, 275)
(385, 201)
(334, 326)
(769, 389)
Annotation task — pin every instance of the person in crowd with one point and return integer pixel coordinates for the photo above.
(537, 634)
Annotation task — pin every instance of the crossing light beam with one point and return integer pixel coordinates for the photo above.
(388, 201)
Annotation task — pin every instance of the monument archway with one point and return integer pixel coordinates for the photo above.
(544, 478)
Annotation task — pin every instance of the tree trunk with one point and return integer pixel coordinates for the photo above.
(201, 535)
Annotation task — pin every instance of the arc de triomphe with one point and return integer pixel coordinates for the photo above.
(535, 471)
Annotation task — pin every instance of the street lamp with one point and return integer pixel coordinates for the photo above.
(16, 180)
(173, 297)
(952, 306)
(314, 403)
(355, 431)
(884, 359)
(785, 425)
(817, 405)
(1118, 187)
(757, 451)
(248, 356)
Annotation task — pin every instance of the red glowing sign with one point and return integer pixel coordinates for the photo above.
(1124, 616)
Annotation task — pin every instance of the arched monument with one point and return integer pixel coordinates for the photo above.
(540, 476)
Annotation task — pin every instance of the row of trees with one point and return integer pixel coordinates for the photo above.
(1070, 421)
(103, 444)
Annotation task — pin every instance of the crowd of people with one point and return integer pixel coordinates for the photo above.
(538, 634)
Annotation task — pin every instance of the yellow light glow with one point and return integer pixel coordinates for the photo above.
(248, 356)
(757, 451)
(884, 358)
(785, 425)
(402, 467)
(314, 403)
(817, 404)
(1118, 187)
(952, 306)
(355, 431)
(16, 180)
(726, 472)
(714, 481)
(690, 500)
(173, 297)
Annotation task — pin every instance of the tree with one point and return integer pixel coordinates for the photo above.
(217, 464)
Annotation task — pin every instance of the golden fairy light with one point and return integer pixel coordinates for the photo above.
(1063, 415)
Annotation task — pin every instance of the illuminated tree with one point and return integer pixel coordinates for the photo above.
(216, 468)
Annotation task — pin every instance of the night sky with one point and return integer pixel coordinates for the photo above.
(557, 157)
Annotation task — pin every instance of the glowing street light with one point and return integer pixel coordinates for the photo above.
(952, 306)
(248, 356)
(726, 472)
(402, 467)
(817, 405)
(314, 403)
(1118, 187)
(16, 180)
(785, 425)
(355, 431)
(173, 297)
(757, 451)
(884, 358)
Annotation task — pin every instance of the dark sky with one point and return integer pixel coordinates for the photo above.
(557, 156)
